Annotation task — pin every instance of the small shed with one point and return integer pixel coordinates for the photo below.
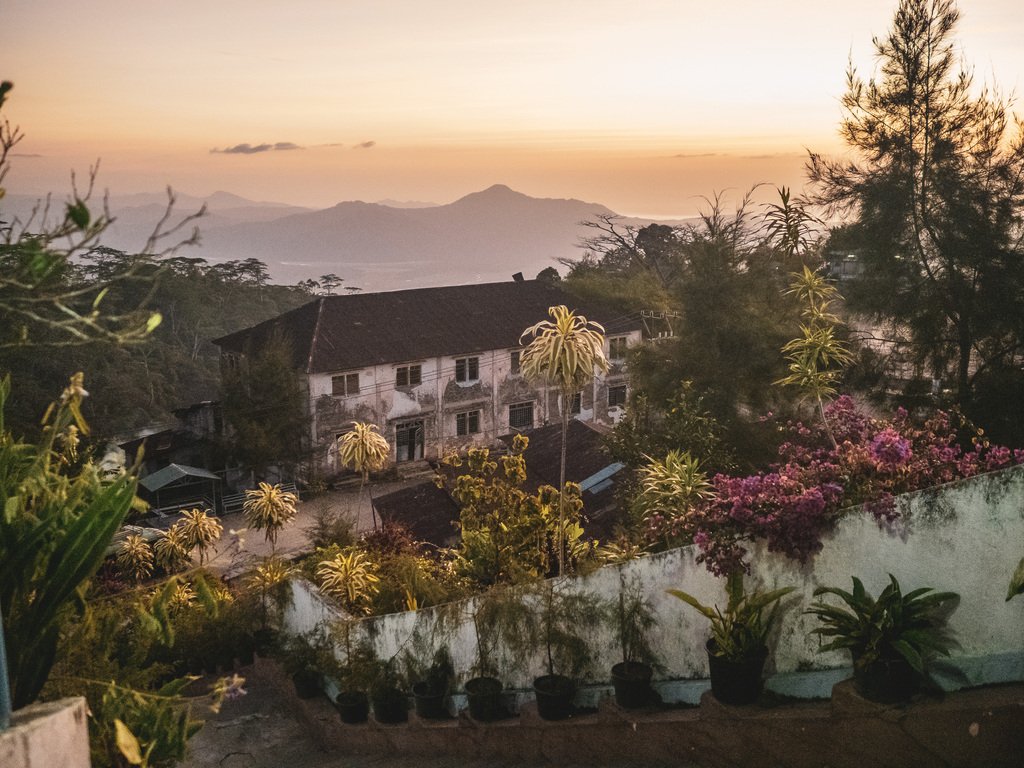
(178, 486)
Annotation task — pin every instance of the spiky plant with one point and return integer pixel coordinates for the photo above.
(171, 550)
(672, 486)
(183, 597)
(366, 451)
(349, 579)
(200, 530)
(269, 509)
(135, 558)
(564, 353)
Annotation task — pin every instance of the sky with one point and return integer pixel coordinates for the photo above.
(646, 106)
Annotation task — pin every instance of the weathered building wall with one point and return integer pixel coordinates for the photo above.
(439, 398)
(46, 734)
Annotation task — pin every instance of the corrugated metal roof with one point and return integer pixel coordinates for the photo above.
(171, 474)
(338, 333)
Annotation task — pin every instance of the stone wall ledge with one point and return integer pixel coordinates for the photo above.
(981, 727)
(54, 733)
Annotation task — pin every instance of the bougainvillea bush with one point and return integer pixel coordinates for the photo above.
(797, 500)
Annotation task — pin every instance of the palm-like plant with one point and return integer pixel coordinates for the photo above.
(673, 485)
(135, 558)
(564, 352)
(269, 509)
(349, 579)
(365, 451)
(200, 530)
(171, 550)
(816, 357)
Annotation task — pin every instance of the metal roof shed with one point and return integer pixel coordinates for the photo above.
(180, 485)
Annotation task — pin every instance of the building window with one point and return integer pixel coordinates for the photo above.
(514, 361)
(617, 348)
(520, 416)
(467, 369)
(345, 385)
(576, 404)
(408, 376)
(617, 396)
(467, 423)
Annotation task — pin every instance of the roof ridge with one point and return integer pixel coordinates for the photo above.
(316, 331)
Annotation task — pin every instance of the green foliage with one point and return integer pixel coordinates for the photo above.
(145, 729)
(933, 191)
(912, 625)
(265, 404)
(507, 534)
(269, 508)
(633, 620)
(135, 558)
(741, 631)
(1016, 582)
(565, 619)
(671, 487)
(57, 519)
(348, 577)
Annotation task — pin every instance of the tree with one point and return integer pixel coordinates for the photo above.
(265, 404)
(564, 353)
(365, 451)
(935, 193)
(269, 508)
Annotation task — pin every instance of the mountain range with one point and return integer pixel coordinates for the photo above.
(485, 236)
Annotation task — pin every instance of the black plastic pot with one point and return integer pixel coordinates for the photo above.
(554, 696)
(886, 680)
(429, 704)
(484, 697)
(390, 705)
(632, 681)
(353, 707)
(736, 682)
(307, 683)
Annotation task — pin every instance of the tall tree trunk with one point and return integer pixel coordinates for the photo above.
(561, 489)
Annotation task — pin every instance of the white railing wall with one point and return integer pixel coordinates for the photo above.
(966, 537)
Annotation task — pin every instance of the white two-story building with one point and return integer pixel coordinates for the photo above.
(436, 368)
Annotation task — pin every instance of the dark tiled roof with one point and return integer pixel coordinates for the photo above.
(427, 511)
(337, 333)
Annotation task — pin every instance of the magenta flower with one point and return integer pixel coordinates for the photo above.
(890, 450)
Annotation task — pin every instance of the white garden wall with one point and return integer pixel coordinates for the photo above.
(966, 537)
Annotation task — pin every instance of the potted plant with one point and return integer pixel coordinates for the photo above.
(891, 639)
(564, 617)
(388, 695)
(433, 685)
(738, 647)
(355, 676)
(301, 656)
(633, 619)
(499, 611)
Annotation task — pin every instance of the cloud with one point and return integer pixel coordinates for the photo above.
(705, 154)
(25, 154)
(249, 149)
(364, 145)
(331, 144)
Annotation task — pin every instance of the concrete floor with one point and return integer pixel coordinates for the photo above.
(262, 730)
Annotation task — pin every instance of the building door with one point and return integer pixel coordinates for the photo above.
(409, 441)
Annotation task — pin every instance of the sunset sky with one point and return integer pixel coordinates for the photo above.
(643, 106)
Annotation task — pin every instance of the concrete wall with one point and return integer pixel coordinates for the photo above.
(966, 537)
(53, 734)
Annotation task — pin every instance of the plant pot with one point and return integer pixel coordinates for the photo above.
(307, 683)
(247, 651)
(353, 707)
(886, 680)
(736, 682)
(484, 697)
(554, 696)
(263, 640)
(632, 681)
(429, 704)
(390, 705)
